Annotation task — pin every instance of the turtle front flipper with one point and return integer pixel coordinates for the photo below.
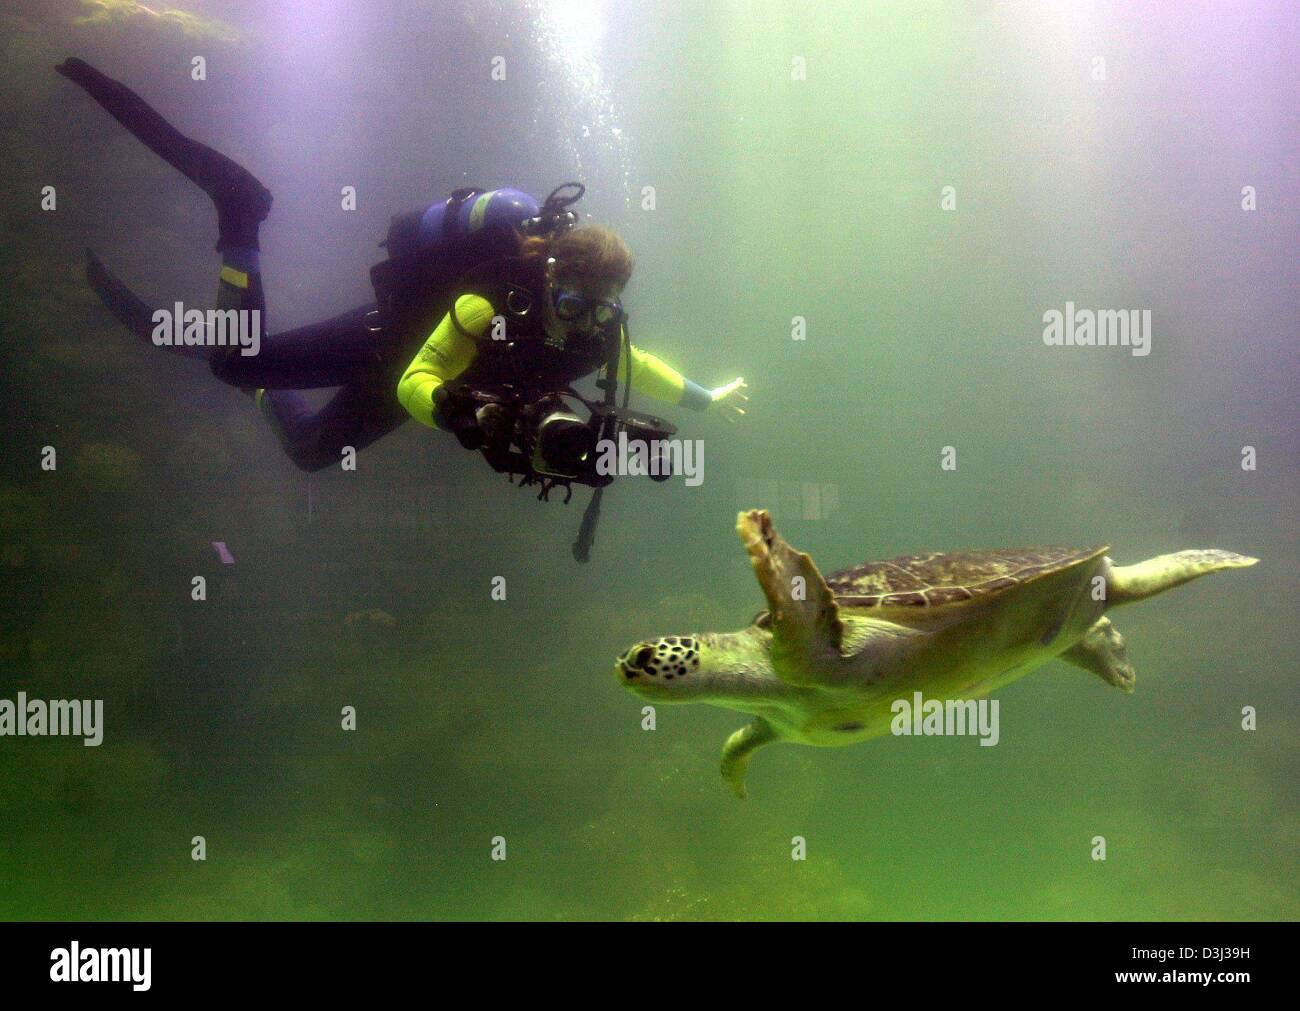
(806, 625)
(1101, 651)
(738, 749)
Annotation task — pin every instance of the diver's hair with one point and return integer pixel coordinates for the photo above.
(587, 253)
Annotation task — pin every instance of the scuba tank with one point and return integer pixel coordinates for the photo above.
(465, 211)
(449, 248)
(472, 209)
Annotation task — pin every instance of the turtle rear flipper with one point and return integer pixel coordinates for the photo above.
(806, 624)
(1127, 583)
(1101, 651)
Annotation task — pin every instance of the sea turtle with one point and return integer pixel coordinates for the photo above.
(825, 662)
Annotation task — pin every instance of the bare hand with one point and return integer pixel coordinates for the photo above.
(730, 399)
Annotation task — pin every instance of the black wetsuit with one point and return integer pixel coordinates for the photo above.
(341, 352)
(347, 351)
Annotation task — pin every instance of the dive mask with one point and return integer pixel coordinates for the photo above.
(572, 307)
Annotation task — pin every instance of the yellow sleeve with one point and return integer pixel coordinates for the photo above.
(445, 355)
(651, 376)
(656, 378)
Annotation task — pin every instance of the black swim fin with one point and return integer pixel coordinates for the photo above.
(242, 202)
(131, 311)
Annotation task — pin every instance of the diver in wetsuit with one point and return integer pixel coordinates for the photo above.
(582, 273)
(559, 291)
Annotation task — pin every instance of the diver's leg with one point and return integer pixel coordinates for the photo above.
(360, 413)
(131, 310)
(239, 287)
(242, 202)
(339, 352)
(332, 352)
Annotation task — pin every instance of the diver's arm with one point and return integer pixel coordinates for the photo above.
(446, 354)
(656, 378)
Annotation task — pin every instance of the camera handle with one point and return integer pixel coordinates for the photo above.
(591, 515)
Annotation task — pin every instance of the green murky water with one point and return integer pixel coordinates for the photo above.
(773, 198)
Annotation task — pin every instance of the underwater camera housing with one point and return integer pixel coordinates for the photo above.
(546, 441)
(562, 442)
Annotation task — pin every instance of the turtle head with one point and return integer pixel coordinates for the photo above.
(699, 668)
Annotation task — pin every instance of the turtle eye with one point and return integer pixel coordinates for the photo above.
(763, 619)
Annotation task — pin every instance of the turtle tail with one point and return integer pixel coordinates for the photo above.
(1127, 583)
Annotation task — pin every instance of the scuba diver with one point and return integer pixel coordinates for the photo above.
(487, 307)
